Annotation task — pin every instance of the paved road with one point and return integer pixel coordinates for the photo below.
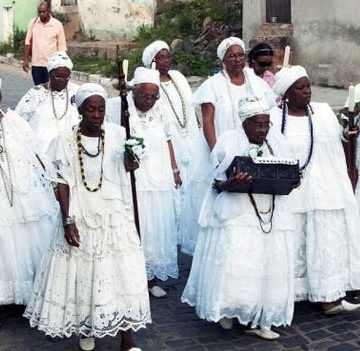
(175, 326)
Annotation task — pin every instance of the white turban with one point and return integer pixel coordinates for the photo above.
(249, 108)
(59, 59)
(89, 89)
(286, 77)
(226, 43)
(146, 75)
(151, 50)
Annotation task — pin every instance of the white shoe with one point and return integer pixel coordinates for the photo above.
(226, 323)
(135, 349)
(157, 292)
(344, 306)
(87, 344)
(266, 334)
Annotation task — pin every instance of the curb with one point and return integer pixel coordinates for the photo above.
(76, 75)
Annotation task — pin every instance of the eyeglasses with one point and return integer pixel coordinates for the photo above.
(258, 125)
(264, 64)
(234, 57)
(57, 77)
(147, 97)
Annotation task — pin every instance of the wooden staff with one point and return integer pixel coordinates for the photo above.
(124, 118)
(351, 153)
(350, 146)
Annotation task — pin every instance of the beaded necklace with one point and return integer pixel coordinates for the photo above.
(271, 210)
(7, 181)
(311, 130)
(53, 103)
(82, 150)
(182, 123)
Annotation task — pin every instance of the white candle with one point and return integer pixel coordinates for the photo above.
(351, 98)
(286, 56)
(153, 65)
(125, 66)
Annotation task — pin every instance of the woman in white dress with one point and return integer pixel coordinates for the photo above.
(176, 95)
(29, 212)
(326, 217)
(92, 279)
(49, 107)
(155, 180)
(243, 261)
(218, 97)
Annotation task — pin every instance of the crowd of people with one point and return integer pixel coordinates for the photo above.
(70, 250)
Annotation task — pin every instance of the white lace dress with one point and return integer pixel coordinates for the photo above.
(225, 97)
(326, 217)
(155, 184)
(27, 226)
(100, 287)
(48, 113)
(238, 271)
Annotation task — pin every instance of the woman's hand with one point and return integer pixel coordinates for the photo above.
(237, 177)
(72, 235)
(131, 164)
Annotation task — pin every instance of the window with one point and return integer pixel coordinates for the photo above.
(68, 2)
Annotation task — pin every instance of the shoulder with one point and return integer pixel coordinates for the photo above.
(55, 22)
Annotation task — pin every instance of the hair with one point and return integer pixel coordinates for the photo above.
(262, 49)
(47, 2)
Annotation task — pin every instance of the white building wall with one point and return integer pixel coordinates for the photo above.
(111, 19)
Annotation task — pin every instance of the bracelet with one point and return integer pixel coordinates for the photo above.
(176, 171)
(68, 220)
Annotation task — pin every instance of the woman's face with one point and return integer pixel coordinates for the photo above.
(145, 96)
(261, 63)
(93, 113)
(163, 61)
(59, 78)
(299, 93)
(257, 128)
(234, 59)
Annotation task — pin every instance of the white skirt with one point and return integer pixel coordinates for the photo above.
(158, 233)
(324, 255)
(240, 272)
(95, 290)
(22, 246)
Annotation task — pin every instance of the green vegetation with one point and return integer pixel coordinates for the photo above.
(95, 65)
(184, 20)
(16, 45)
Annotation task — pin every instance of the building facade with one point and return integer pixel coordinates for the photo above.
(324, 35)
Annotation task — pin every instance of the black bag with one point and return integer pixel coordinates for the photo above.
(270, 175)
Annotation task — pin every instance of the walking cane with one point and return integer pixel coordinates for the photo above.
(124, 118)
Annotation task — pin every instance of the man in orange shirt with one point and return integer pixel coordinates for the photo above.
(45, 36)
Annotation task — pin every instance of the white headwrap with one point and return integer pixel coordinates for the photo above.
(286, 77)
(151, 50)
(59, 59)
(146, 75)
(89, 89)
(250, 108)
(226, 43)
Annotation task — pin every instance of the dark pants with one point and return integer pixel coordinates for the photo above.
(40, 74)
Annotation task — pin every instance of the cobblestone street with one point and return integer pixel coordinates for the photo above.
(175, 325)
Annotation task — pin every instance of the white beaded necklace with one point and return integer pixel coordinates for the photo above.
(183, 122)
(58, 118)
